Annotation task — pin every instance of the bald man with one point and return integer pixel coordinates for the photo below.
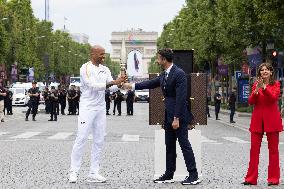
(95, 79)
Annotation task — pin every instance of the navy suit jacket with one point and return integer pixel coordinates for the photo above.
(175, 93)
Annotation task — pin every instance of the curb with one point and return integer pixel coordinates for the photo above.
(238, 126)
(227, 112)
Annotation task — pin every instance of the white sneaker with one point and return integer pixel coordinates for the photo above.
(73, 177)
(96, 178)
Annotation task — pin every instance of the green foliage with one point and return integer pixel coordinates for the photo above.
(31, 42)
(245, 109)
(112, 65)
(153, 66)
(224, 28)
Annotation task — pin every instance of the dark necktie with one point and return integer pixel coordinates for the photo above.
(165, 79)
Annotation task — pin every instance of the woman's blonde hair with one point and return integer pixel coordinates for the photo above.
(270, 68)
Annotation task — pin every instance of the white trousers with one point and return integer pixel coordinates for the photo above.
(89, 121)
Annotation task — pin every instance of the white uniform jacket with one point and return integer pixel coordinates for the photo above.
(93, 86)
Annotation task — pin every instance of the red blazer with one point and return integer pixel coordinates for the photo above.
(266, 115)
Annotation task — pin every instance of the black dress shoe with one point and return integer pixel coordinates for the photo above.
(190, 181)
(272, 184)
(232, 122)
(165, 178)
(50, 120)
(247, 183)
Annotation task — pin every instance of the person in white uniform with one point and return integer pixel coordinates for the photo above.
(95, 79)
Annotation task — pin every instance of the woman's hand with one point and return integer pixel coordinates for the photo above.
(259, 85)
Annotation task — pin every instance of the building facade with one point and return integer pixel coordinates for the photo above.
(135, 48)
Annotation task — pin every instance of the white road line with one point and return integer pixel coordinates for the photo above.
(3, 133)
(236, 140)
(26, 135)
(205, 139)
(90, 137)
(264, 138)
(130, 138)
(60, 135)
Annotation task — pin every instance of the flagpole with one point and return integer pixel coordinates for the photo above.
(64, 22)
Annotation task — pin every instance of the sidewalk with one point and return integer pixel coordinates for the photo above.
(242, 119)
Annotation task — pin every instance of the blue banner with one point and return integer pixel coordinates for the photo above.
(243, 90)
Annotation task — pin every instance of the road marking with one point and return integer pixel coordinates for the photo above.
(26, 135)
(3, 133)
(264, 138)
(205, 139)
(130, 138)
(236, 140)
(90, 137)
(60, 135)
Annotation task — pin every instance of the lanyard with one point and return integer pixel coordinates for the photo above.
(87, 73)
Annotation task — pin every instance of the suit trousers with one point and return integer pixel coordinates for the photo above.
(89, 121)
(170, 139)
(273, 167)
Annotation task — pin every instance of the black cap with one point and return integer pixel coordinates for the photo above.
(34, 82)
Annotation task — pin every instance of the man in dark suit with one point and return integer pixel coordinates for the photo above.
(173, 83)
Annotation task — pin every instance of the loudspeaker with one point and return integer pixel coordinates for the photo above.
(184, 60)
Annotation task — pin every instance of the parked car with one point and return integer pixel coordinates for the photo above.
(20, 97)
(142, 95)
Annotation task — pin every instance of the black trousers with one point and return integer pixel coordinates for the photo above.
(53, 111)
(170, 139)
(107, 106)
(47, 106)
(114, 106)
(129, 107)
(232, 113)
(62, 107)
(33, 105)
(9, 107)
(217, 110)
(72, 106)
(118, 105)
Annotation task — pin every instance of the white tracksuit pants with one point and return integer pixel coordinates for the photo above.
(89, 121)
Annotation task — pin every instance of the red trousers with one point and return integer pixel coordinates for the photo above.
(273, 167)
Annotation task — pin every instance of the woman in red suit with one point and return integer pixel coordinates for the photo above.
(265, 118)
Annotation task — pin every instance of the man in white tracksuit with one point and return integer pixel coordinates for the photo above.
(95, 78)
